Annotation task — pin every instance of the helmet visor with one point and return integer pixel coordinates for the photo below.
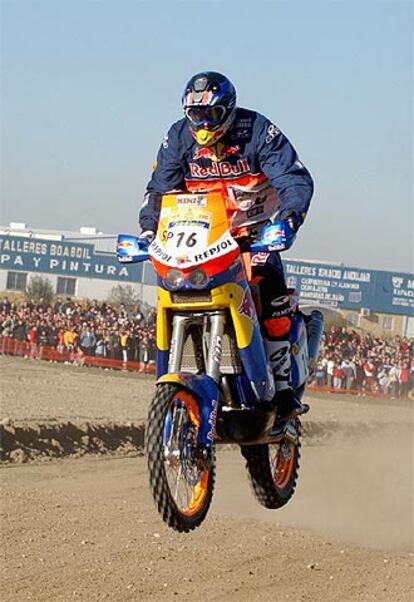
(209, 116)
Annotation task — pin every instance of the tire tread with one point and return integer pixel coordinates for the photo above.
(163, 499)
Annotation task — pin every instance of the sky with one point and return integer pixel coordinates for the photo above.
(90, 87)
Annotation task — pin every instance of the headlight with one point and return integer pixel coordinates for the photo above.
(174, 278)
(198, 278)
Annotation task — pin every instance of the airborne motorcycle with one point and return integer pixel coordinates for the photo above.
(214, 384)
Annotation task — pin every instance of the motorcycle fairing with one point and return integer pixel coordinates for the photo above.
(193, 231)
(206, 391)
(234, 273)
(162, 361)
(236, 297)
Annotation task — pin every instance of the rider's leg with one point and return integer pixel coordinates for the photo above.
(276, 318)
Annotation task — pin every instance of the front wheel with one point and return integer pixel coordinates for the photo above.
(181, 473)
(273, 470)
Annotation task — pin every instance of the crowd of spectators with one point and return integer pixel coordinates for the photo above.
(348, 360)
(367, 364)
(89, 328)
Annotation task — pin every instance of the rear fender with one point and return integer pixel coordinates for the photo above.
(206, 393)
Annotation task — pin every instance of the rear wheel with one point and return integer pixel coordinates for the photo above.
(181, 475)
(273, 470)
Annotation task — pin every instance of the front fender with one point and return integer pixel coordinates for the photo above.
(206, 393)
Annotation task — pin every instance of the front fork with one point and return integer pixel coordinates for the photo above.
(212, 347)
(204, 387)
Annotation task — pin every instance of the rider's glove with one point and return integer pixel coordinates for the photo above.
(147, 236)
(280, 235)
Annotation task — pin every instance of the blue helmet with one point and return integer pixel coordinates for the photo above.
(209, 103)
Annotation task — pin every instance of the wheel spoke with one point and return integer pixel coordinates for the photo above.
(177, 482)
(184, 478)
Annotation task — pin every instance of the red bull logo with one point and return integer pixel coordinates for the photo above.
(246, 307)
(125, 244)
(220, 152)
(259, 258)
(224, 169)
(203, 152)
(227, 151)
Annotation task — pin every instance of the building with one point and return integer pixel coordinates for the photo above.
(78, 264)
(83, 264)
(374, 300)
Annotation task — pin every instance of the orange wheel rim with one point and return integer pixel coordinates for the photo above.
(195, 493)
(191, 406)
(198, 495)
(283, 468)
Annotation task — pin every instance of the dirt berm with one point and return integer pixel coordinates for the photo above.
(54, 410)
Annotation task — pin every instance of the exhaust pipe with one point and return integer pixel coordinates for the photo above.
(314, 329)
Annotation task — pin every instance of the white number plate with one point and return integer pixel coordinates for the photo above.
(187, 237)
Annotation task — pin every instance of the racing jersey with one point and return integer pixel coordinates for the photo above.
(254, 165)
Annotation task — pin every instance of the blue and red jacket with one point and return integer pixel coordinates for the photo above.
(253, 164)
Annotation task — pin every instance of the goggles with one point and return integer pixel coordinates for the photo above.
(202, 115)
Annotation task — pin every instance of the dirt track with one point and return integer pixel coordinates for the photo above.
(86, 529)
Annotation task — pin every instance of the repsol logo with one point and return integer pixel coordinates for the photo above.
(217, 249)
(157, 252)
(223, 169)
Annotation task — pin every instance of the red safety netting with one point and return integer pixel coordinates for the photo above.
(347, 391)
(11, 346)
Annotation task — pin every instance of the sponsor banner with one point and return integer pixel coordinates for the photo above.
(351, 288)
(75, 259)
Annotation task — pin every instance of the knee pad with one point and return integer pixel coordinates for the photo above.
(277, 327)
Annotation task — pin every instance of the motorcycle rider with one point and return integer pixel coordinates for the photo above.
(219, 146)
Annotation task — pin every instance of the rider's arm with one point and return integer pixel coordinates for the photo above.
(288, 176)
(168, 175)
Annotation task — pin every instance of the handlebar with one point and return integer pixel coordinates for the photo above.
(131, 249)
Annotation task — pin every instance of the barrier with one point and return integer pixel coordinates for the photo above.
(347, 391)
(14, 347)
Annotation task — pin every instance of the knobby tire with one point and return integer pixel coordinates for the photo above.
(160, 489)
(271, 492)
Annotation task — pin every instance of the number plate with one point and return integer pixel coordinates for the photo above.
(186, 236)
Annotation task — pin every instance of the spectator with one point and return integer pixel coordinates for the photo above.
(405, 378)
(87, 340)
(338, 377)
(20, 330)
(348, 368)
(394, 382)
(370, 374)
(384, 380)
(123, 343)
(101, 345)
(32, 336)
(330, 366)
(320, 375)
(70, 337)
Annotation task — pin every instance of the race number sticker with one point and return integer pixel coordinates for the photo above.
(184, 237)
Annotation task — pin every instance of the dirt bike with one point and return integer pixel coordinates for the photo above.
(214, 385)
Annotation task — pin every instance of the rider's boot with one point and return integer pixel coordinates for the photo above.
(277, 344)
